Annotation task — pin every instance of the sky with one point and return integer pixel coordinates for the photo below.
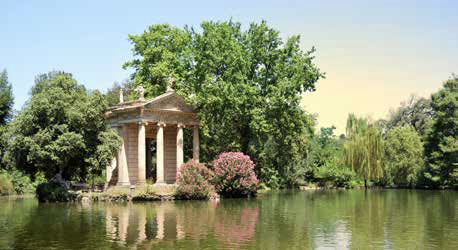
(375, 54)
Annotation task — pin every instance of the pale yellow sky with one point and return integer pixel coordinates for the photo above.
(340, 94)
(375, 58)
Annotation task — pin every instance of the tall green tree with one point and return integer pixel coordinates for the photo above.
(441, 147)
(6, 105)
(6, 98)
(112, 94)
(246, 85)
(416, 112)
(61, 129)
(404, 156)
(363, 150)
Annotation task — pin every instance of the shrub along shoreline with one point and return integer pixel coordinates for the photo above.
(231, 174)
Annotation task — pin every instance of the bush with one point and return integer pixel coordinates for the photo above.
(194, 182)
(6, 186)
(55, 190)
(23, 184)
(234, 175)
(335, 176)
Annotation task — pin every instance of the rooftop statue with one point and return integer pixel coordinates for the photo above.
(170, 81)
(141, 92)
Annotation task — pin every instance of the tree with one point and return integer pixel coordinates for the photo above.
(246, 85)
(324, 160)
(112, 94)
(6, 98)
(416, 112)
(363, 150)
(62, 130)
(441, 146)
(323, 148)
(404, 155)
(6, 105)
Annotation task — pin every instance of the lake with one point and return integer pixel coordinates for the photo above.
(334, 219)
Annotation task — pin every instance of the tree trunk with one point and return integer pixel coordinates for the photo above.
(365, 184)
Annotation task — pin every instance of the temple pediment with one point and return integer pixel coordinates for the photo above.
(169, 107)
(170, 102)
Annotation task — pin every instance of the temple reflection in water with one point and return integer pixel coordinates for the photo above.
(145, 225)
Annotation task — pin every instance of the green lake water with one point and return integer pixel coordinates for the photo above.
(347, 219)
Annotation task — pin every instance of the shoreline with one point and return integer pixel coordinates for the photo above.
(145, 196)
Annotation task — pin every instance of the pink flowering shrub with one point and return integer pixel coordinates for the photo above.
(194, 182)
(234, 175)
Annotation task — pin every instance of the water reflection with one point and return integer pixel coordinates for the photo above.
(149, 224)
(352, 219)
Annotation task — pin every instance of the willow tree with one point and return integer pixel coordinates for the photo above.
(363, 150)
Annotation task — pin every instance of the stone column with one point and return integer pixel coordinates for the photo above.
(160, 219)
(179, 227)
(110, 168)
(123, 171)
(180, 154)
(123, 223)
(160, 171)
(195, 143)
(110, 226)
(141, 212)
(141, 154)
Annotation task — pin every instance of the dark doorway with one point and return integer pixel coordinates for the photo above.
(151, 160)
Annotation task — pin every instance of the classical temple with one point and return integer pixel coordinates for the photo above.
(140, 123)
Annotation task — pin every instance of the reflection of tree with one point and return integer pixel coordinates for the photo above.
(62, 226)
(357, 219)
(13, 215)
(196, 219)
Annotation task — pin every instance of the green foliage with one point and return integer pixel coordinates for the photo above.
(194, 182)
(112, 94)
(19, 183)
(364, 150)
(61, 130)
(53, 192)
(213, 66)
(6, 185)
(109, 143)
(3, 143)
(323, 148)
(6, 98)
(324, 161)
(416, 112)
(404, 156)
(335, 175)
(6, 105)
(441, 146)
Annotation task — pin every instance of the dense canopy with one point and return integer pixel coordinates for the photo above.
(246, 85)
(61, 130)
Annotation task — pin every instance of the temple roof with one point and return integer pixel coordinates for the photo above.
(168, 106)
(168, 96)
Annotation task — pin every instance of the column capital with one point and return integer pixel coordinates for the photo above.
(161, 124)
(181, 125)
(142, 123)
